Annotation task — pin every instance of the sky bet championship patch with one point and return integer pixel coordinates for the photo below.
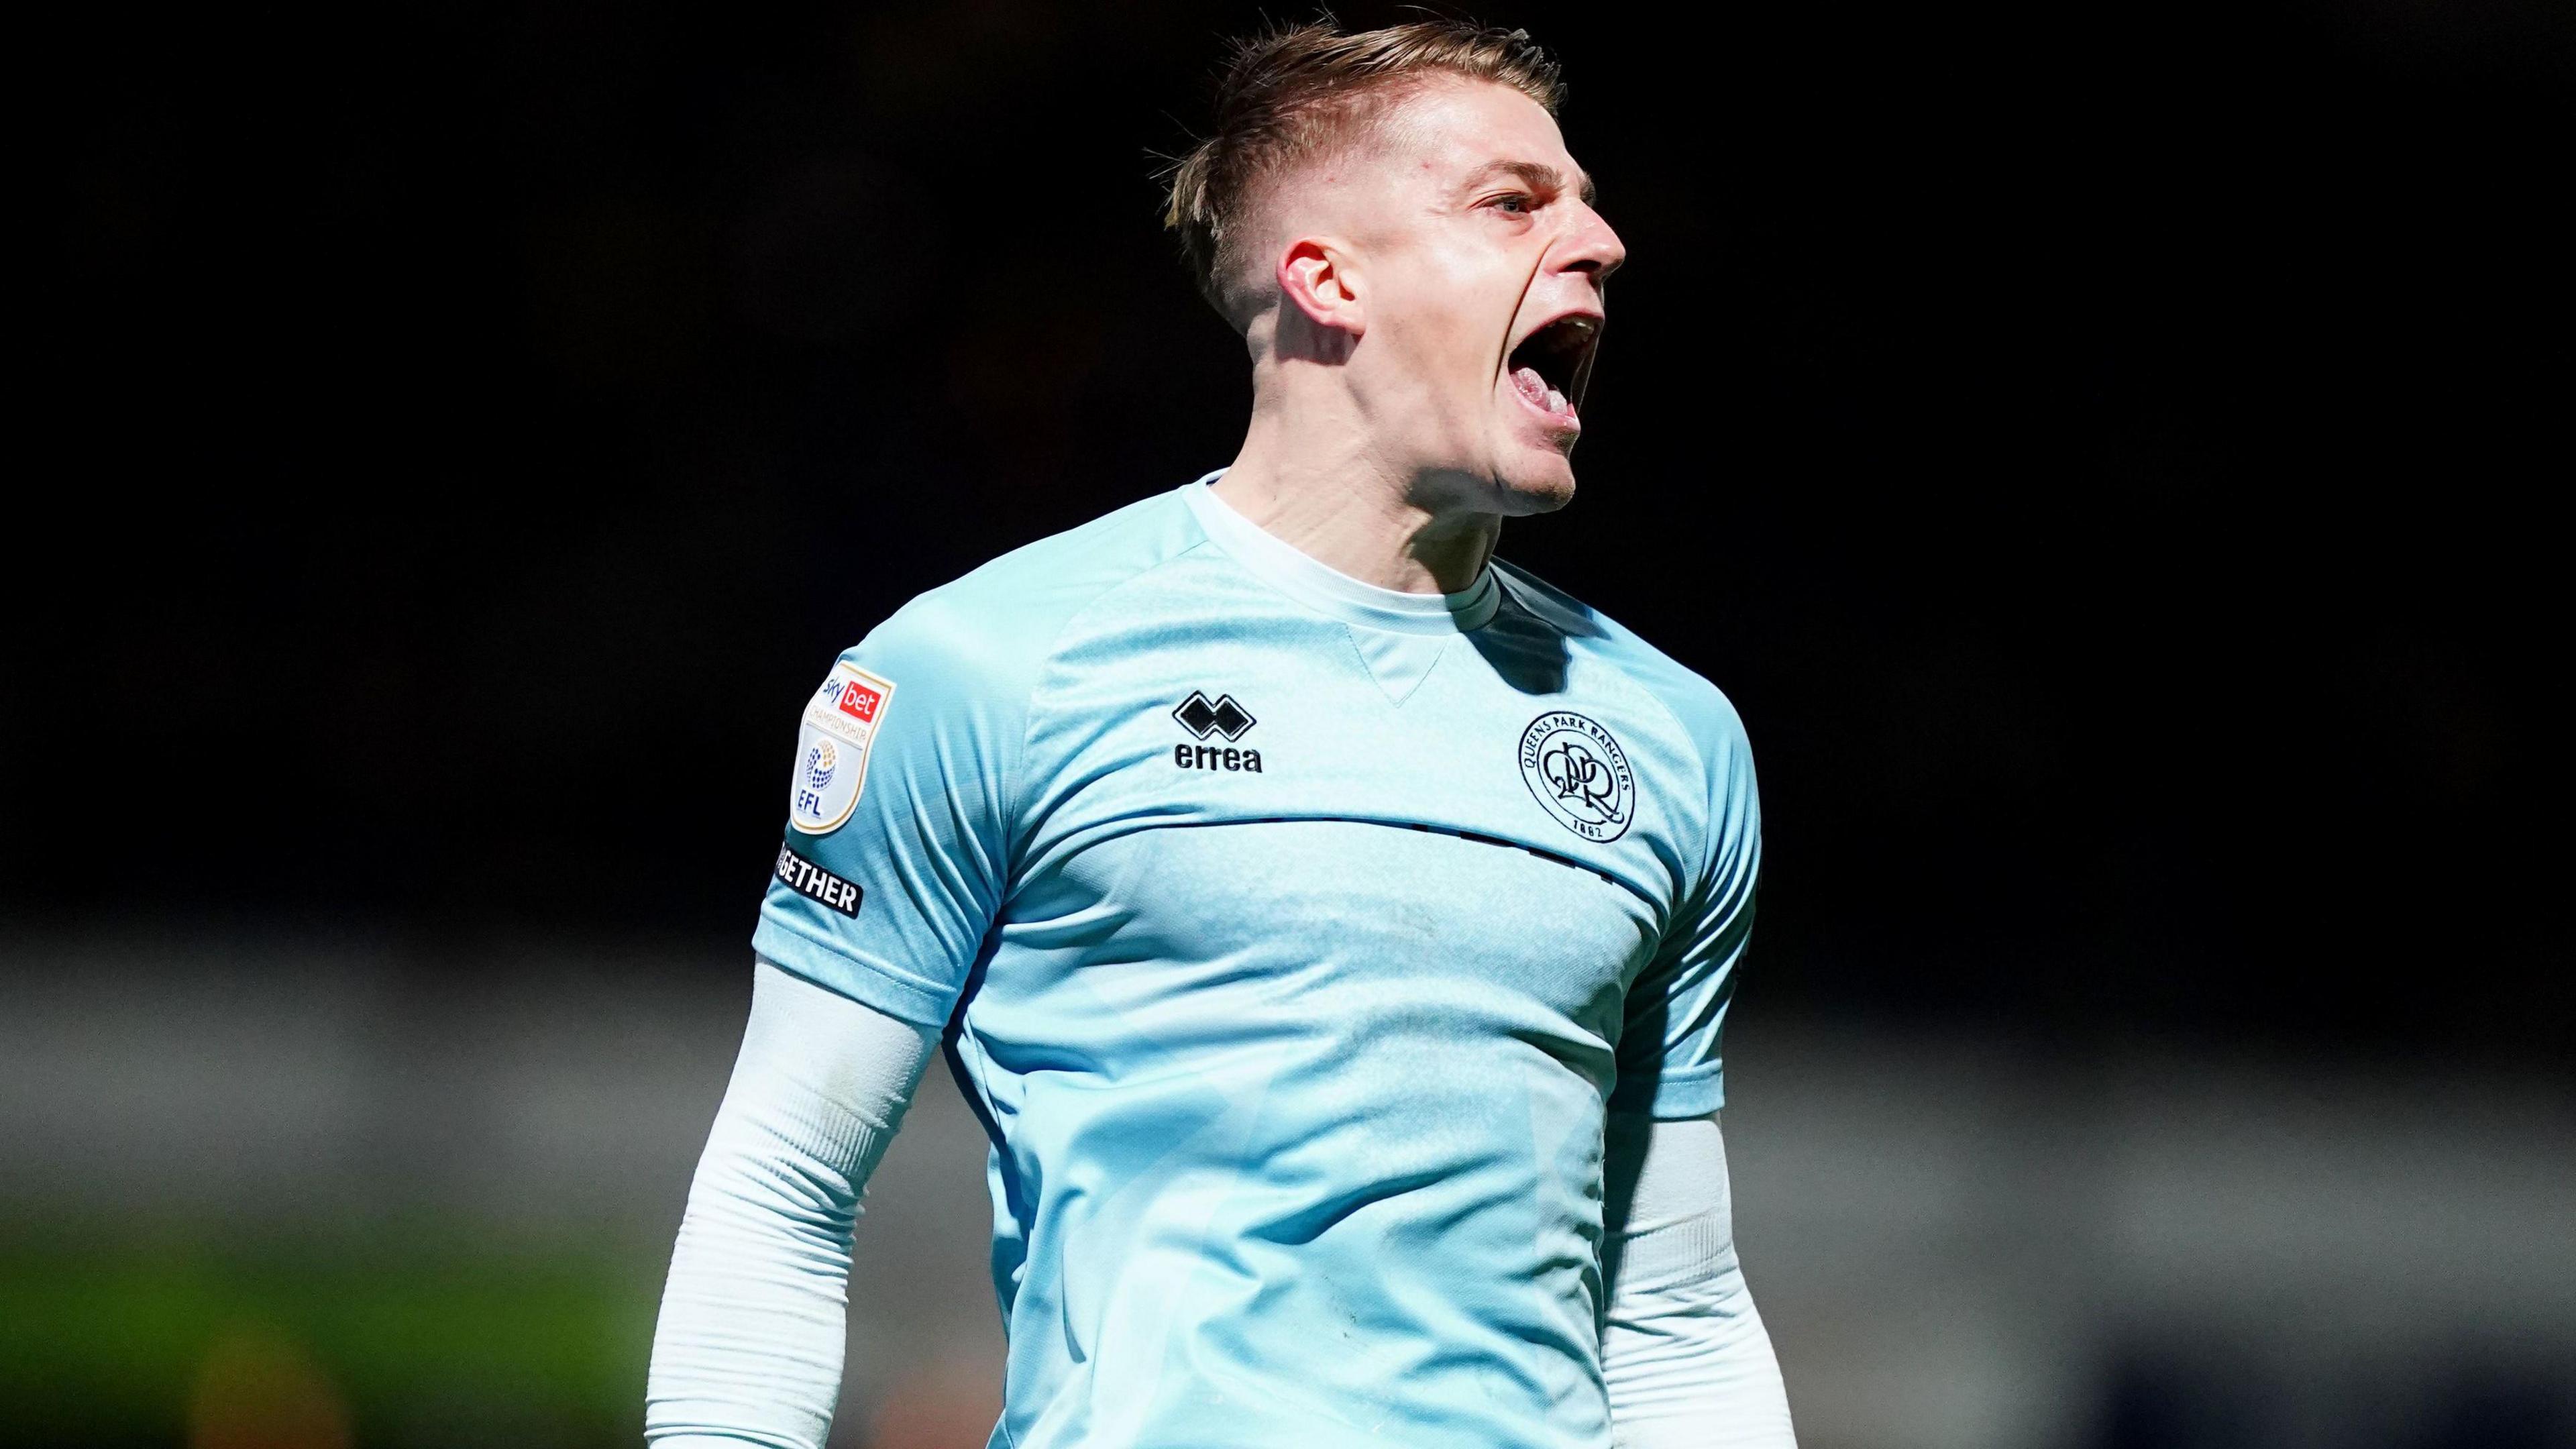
(817, 884)
(832, 749)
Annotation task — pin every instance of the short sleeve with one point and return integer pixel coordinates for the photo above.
(1671, 1058)
(897, 845)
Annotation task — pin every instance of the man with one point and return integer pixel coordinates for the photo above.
(1332, 925)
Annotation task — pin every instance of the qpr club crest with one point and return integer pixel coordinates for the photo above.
(1578, 774)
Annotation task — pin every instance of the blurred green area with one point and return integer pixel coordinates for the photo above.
(414, 1337)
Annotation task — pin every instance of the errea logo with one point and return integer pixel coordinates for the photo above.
(1203, 717)
(1224, 717)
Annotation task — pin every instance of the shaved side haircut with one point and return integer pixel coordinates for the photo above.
(1291, 95)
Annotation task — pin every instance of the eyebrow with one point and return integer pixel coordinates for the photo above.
(1538, 176)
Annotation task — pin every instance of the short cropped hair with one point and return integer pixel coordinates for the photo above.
(1291, 94)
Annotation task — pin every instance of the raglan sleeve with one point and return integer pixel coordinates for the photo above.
(896, 851)
(1671, 1057)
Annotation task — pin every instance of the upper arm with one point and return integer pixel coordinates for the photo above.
(1671, 1058)
(898, 839)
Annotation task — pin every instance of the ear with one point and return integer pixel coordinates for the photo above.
(1315, 274)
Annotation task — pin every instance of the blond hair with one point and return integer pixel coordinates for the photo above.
(1292, 94)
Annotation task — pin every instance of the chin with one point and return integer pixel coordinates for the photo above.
(1535, 486)
(1534, 474)
(1532, 462)
(1513, 488)
(1523, 473)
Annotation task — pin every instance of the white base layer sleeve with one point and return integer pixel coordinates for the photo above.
(1688, 1362)
(748, 1349)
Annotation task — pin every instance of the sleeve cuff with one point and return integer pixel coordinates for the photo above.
(863, 979)
(1672, 1096)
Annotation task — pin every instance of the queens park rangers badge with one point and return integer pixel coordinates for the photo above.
(832, 748)
(1579, 775)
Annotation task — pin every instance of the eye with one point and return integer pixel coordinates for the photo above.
(1515, 203)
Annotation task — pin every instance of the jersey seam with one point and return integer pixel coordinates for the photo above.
(1028, 699)
(1351, 636)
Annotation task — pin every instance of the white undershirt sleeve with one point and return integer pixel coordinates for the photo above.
(1688, 1362)
(748, 1350)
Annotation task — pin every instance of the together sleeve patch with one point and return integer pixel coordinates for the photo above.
(817, 884)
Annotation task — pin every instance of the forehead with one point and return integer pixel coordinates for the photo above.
(1450, 131)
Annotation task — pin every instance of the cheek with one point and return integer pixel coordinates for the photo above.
(1454, 314)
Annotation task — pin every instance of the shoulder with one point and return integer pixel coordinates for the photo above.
(1704, 711)
(990, 630)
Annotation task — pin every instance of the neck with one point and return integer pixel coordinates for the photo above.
(1310, 478)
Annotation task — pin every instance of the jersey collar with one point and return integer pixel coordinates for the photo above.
(1279, 563)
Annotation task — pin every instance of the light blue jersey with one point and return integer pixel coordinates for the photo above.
(1292, 936)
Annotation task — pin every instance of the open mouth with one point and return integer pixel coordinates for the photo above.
(1552, 364)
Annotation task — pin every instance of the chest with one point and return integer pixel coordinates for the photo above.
(1262, 815)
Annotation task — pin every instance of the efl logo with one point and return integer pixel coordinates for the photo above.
(860, 702)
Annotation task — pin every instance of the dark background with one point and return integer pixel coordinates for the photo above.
(2103, 450)
(2100, 449)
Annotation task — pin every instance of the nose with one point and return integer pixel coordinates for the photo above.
(1590, 246)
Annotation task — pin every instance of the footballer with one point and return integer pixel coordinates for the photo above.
(1332, 924)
